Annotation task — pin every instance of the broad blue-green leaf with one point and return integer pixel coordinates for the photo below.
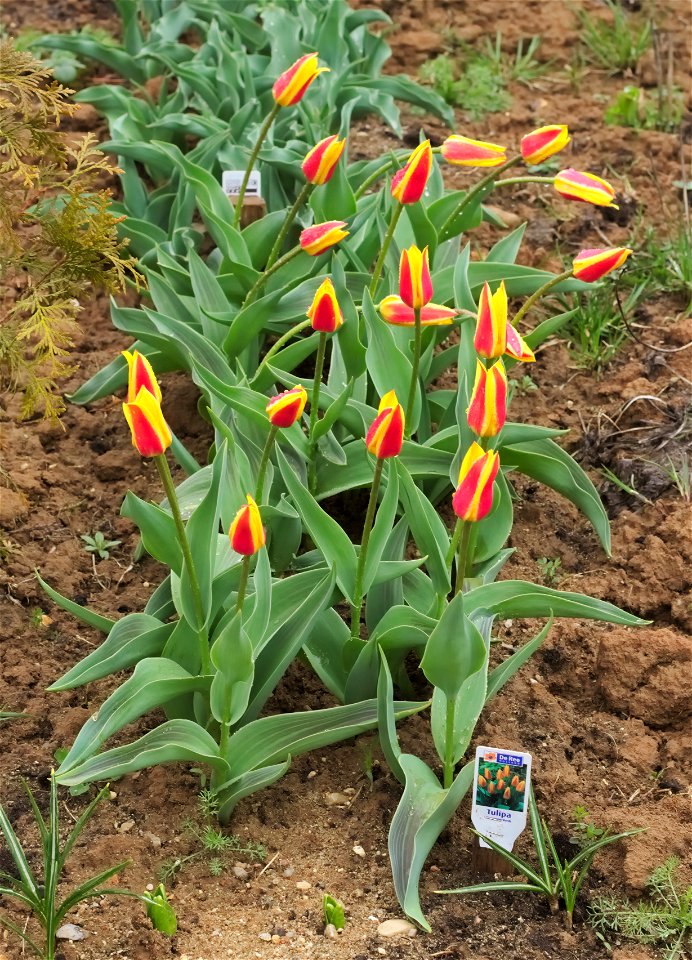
(382, 528)
(131, 639)
(324, 650)
(104, 624)
(429, 532)
(231, 655)
(517, 598)
(248, 783)
(455, 650)
(386, 721)
(424, 811)
(157, 530)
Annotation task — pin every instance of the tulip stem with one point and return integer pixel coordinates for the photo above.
(417, 341)
(253, 156)
(242, 584)
(263, 277)
(290, 217)
(275, 347)
(169, 488)
(362, 555)
(511, 180)
(449, 744)
(465, 555)
(266, 453)
(451, 553)
(384, 248)
(474, 191)
(314, 412)
(553, 282)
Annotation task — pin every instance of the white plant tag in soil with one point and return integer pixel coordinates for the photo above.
(231, 181)
(501, 789)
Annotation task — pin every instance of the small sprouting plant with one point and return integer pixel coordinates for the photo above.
(11, 715)
(635, 107)
(556, 878)
(211, 843)
(97, 544)
(665, 919)
(333, 912)
(621, 484)
(599, 328)
(550, 568)
(584, 830)
(680, 474)
(36, 617)
(524, 385)
(615, 44)
(39, 893)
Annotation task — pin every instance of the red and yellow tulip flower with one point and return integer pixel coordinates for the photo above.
(247, 533)
(592, 265)
(544, 142)
(516, 347)
(415, 285)
(290, 87)
(463, 152)
(473, 497)
(150, 432)
(320, 162)
(315, 240)
(507, 794)
(487, 410)
(324, 312)
(584, 187)
(409, 183)
(396, 312)
(490, 338)
(385, 437)
(285, 408)
(491, 787)
(481, 781)
(140, 374)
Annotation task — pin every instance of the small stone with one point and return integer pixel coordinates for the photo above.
(70, 931)
(150, 887)
(303, 885)
(126, 826)
(358, 850)
(396, 928)
(112, 795)
(240, 872)
(358, 893)
(153, 839)
(289, 871)
(330, 932)
(312, 774)
(336, 799)
(267, 937)
(349, 791)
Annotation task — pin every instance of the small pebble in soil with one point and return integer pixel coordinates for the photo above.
(312, 774)
(266, 937)
(303, 885)
(289, 871)
(336, 799)
(70, 931)
(358, 850)
(126, 826)
(330, 932)
(396, 928)
(240, 872)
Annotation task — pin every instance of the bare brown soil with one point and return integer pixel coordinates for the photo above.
(605, 710)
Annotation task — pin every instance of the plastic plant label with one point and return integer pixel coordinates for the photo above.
(231, 181)
(500, 800)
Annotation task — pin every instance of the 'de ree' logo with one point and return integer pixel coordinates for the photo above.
(501, 785)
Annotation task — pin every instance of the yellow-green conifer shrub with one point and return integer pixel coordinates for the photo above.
(58, 235)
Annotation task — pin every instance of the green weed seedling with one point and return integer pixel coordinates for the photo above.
(97, 544)
(664, 920)
(555, 878)
(39, 893)
(550, 569)
(616, 44)
(598, 328)
(635, 107)
(333, 912)
(212, 844)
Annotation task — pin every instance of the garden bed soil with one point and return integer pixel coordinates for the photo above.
(605, 710)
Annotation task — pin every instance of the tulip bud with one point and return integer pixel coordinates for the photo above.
(505, 772)
(160, 912)
(386, 435)
(320, 162)
(507, 794)
(315, 240)
(150, 432)
(585, 187)
(500, 784)
(592, 265)
(520, 786)
(481, 781)
(408, 184)
(285, 408)
(515, 780)
(473, 497)
(487, 410)
(463, 152)
(491, 787)
(292, 84)
(397, 313)
(140, 374)
(247, 533)
(415, 285)
(542, 143)
(491, 327)
(517, 347)
(324, 313)
(488, 773)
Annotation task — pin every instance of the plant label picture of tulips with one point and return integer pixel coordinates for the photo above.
(232, 180)
(500, 800)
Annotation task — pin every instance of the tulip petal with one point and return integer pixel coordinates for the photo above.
(593, 264)
(463, 152)
(397, 313)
